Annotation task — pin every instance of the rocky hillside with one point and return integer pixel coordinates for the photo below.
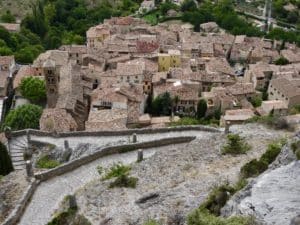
(173, 182)
(273, 197)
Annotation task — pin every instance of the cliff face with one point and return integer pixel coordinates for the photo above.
(274, 196)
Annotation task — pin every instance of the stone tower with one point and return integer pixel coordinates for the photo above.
(52, 81)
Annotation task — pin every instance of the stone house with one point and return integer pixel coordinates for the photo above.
(187, 94)
(96, 35)
(146, 6)
(260, 75)
(7, 70)
(291, 56)
(68, 89)
(210, 27)
(11, 27)
(128, 73)
(129, 98)
(237, 116)
(242, 90)
(171, 59)
(76, 52)
(285, 90)
(278, 107)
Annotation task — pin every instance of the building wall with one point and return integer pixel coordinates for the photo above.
(164, 62)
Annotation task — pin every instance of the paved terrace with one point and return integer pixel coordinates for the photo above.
(50, 193)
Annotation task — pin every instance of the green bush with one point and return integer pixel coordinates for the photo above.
(151, 222)
(203, 217)
(282, 61)
(298, 154)
(217, 199)
(116, 170)
(33, 89)
(46, 163)
(124, 181)
(253, 168)
(256, 167)
(256, 101)
(6, 165)
(295, 146)
(24, 117)
(235, 145)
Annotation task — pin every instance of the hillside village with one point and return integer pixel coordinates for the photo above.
(126, 64)
(152, 123)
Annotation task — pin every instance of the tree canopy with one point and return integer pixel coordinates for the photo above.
(5, 161)
(33, 89)
(23, 117)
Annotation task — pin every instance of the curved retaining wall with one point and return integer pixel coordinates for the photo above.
(116, 133)
(18, 211)
(108, 151)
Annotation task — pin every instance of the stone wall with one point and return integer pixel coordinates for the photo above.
(16, 214)
(108, 151)
(116, 133)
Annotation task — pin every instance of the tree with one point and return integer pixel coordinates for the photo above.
(24, 117)
(188, 5)
(282, 61)
(235, 145)
(162, 105)
(201, 109)
(5, 161)
(33, 89)
(8, 17)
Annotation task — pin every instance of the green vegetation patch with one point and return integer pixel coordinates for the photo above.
(121, 173)
(203, 217)
(151, 222)
(46, 163)
(124, 181)
(34, 89)
(296, 149)
(256, 167)
(235, 145)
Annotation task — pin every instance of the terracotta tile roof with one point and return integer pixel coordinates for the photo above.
(114, 119)
(57, 120)
(130, 69)
(219, 65)
(6, 60)
(59, 57)
(24, 71)
(241, 88)
(238, 114)
(291, 56)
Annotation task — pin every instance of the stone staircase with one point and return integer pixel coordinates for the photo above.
(17, 149)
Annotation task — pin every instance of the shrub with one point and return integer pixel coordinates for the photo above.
(253, 168)
(201, 109)
(5, 161)
(116, 170)
(124, 181)
(256, 167)
(298, 154)
(46, 163)
(256, 101)
(203, 217)
(33, 89)
(235, 145)
(217, 199)
(23, 117)
(151, 222)
(282, 61)
(295, 146)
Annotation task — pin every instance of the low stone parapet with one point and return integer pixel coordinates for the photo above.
(67, 167)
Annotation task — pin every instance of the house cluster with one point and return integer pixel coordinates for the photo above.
(105, 84)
